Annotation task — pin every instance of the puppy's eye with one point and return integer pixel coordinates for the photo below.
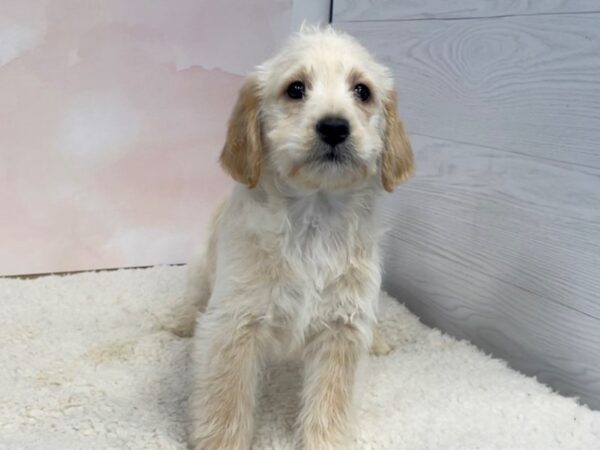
(296, 90)
(362, 91)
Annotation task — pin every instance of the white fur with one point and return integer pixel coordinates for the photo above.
(292, 265)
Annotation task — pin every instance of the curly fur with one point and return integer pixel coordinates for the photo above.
(292, 265)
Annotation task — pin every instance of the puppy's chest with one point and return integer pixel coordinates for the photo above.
(313, 250)
(319, 239)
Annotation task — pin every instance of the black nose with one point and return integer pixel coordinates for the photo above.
(333, 130)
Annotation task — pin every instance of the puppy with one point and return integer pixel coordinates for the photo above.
(292, 263)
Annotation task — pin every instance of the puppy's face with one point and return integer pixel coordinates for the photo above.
(326, 117)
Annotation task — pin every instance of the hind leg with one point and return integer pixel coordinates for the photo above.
(200, 279)
(380, 346)
(182, 320)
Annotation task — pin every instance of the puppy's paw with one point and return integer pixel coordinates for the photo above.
(202, 438)
(319, 442)
(182, 326)
(380, 347)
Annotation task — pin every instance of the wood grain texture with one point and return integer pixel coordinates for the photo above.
(497, 238)
(526, 84)
(365, 10)
(474, 262)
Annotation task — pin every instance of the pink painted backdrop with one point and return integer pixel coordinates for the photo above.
(112, 116)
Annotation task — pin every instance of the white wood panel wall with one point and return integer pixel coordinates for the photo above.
(497, 238)
(361, 10)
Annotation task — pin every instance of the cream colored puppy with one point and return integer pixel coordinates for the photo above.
(292, 264)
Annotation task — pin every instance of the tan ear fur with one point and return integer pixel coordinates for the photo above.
(397, 163)
(243, 151)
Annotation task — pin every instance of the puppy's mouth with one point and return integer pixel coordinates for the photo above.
(334, 155)
(327, 155)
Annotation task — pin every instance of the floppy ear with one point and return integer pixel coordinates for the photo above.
(243, 151)
(397, 160)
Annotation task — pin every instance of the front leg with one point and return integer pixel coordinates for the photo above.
(227, 359)
(345, 318)
(331, 361)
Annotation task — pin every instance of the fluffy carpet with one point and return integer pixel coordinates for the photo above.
(84, 363)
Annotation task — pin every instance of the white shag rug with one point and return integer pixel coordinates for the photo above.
(84, 363)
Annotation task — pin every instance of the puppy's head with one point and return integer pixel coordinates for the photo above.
(320, 115)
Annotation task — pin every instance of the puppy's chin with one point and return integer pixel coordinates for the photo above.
(329, 170)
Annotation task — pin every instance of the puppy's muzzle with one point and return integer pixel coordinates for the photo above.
(333, 130)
